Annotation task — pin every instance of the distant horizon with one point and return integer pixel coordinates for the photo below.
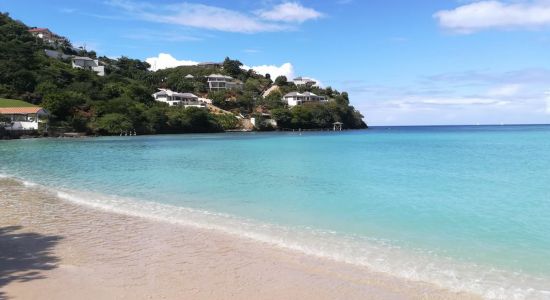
(437, 60)
(453, 125)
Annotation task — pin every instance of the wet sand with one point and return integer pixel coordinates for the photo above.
(54, 249)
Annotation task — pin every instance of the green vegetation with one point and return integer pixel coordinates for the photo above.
(14, 103)
(121, 101)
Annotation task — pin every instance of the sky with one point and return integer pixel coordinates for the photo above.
(403, 62)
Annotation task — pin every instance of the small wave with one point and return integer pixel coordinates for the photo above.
(377, 255)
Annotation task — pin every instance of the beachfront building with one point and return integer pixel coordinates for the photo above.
(218, 82)
(47, 36)
(81, 62)
(178, 99)
(218, 65)
(296, 98)
(304, 81)
(24, 118)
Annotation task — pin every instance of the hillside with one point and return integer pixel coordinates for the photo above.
(80, 100)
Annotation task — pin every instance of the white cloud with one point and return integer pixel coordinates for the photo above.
(218, 18)
(164, 61)
(464, 101)
(157, 35)
(290, 12)
(465, 97)
(448, 101)
(286, 69)
(508, 90)
(483, 15)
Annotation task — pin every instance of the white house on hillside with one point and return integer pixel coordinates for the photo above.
(24, 118)
(296, 98)
(221, 82)
(87, 63)
(47, 36)
(178, 99)
(299, 81)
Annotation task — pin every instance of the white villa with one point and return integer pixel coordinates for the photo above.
(46, 35)
(87, 63)
(221, 82)
(296, 98)
(25, 118)
(300, 81)
(179, 99)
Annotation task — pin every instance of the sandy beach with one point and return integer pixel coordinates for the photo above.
(54, 249)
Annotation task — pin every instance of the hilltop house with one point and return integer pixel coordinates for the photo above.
(178, 99)
(296, 98)
(47, 36)
(304, 81)
(25, 118)
(221, 82)
(217, 65)
(87, 63)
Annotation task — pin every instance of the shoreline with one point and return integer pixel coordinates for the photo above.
(98, 254)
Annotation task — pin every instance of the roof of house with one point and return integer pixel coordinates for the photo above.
(303, 79)
(172, 93)
(21, 110)
(38, 29)
(189, 76)
(220, 76)
(209, 63)
(187, 95)
(82, 58)
(293, 94)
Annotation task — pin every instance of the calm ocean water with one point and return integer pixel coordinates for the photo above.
(464, 207)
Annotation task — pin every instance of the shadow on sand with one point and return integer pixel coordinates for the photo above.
(24, 255)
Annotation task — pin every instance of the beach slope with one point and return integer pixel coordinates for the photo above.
(54, 249)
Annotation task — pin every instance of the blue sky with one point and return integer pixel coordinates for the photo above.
(403, 62)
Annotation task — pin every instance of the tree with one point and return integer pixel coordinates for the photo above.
(273, 100)
(192, 119)
(62, 104)
(232, 67)
(227, 121)
(113, 123)
(283, 117)
(218, 98)
(253, 85)
(281, 80)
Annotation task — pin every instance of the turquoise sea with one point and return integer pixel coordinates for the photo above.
(465, 207)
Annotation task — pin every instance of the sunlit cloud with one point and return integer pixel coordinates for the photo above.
(286, 69)
(484, 15)
(277, 18)
(289, 12)
(165, 61)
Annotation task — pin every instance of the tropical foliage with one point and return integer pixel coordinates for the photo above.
(121, 101)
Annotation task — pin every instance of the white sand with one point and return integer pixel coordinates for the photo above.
(61, 250)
